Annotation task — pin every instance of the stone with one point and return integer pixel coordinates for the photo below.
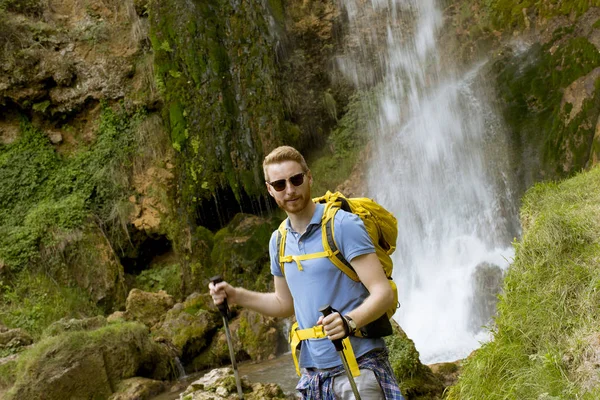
(147, 307)
(220, 384)
(138, 388)
(13, 338)
(188, 328)
(55, 137)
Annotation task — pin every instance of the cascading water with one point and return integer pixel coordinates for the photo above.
(440, 164)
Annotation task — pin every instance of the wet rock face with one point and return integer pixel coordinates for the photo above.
(487, 283)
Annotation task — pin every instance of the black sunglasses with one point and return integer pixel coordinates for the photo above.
(295, 180)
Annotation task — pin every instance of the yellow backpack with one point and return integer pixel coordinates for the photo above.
(381, 226)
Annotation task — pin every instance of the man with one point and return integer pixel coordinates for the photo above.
(316, 282)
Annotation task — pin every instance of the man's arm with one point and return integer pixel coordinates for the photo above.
(277, 304)
(369, 270)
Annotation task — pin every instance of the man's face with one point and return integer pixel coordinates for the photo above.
(292, 199)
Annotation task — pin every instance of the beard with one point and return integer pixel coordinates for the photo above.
(294, 204)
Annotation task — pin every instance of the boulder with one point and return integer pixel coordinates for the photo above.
(220, 384)
(14, 338)
(71, 325)
(147, 307)
(487, 283)
(137, 388)
(96, 268)
(254, 337)
(188, 327)
(416, 380)
(89, 364)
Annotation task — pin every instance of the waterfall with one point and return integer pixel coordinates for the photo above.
(440, 163)
(179, 369)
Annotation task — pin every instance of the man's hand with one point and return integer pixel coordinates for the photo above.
(222, 291)
(334, 325)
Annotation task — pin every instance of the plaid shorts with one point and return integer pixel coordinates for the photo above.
(318, 384)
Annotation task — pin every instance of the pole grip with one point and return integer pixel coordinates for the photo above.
(223, 307)
(326, 310)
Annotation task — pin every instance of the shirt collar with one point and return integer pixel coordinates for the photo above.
(315, 220)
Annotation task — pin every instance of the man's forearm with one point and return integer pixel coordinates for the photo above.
(373, 307)
(269, 304)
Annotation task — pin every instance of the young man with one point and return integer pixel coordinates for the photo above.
(316, 282)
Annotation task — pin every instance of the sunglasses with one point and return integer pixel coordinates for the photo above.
(280, 184)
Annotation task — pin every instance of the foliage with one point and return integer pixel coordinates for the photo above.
(545, 340)
(45, 194)
(34, 301)
(161, 277)
(46, 200)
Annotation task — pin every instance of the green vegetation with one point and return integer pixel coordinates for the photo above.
(161, 277)
(345, 145)
(216, 69)
(546, 336)
(532, 86)
(509, 14)
(105, 356)
(47, 202)
(34, 301)
(416, 380)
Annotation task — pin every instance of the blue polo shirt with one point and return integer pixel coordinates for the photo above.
(321, 282)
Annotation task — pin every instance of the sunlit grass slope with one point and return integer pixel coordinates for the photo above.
(547, 336)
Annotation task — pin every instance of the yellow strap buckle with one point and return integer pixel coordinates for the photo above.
(316, 332)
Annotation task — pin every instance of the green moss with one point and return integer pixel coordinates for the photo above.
(547, 316)
(508, 14)
(219, 79)
(532, 87)
(346, 144)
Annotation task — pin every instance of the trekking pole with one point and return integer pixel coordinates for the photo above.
(224, 309)
(339, 347)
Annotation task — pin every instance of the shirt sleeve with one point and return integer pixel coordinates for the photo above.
(351, 235)
(274, 255)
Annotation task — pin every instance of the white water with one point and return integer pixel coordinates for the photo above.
(440, 165)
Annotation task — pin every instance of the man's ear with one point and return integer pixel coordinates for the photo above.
(269, 189)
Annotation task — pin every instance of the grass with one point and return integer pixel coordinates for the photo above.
(546, 334)
(33, 301)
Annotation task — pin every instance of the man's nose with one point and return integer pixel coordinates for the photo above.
(289, 187)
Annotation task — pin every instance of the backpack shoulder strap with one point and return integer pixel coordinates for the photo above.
(329, 244)
(281, 238)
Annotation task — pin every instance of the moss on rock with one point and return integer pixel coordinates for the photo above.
(416, 380)
(552, 143)
(89, 364)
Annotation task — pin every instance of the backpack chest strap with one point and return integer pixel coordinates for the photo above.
(302, 257)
